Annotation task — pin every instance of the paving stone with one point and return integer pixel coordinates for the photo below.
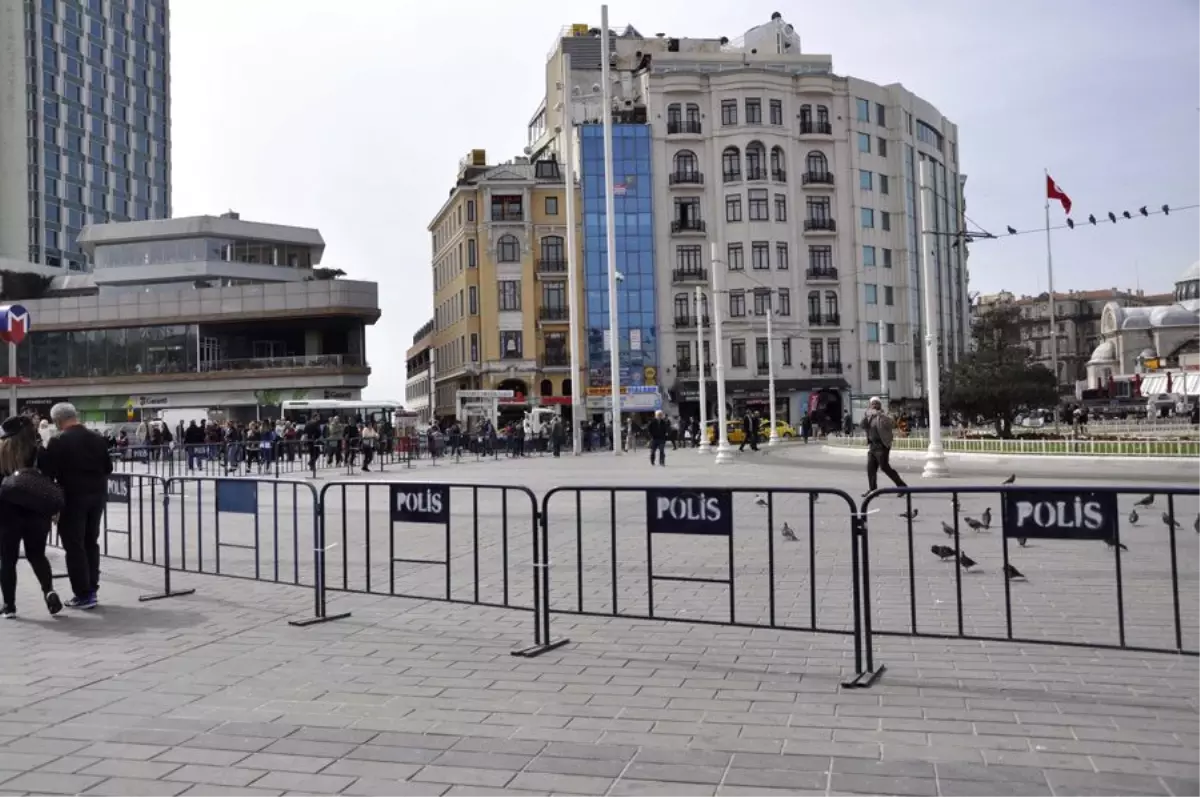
(213, 741)
(776, 778)
(462, 776)
(315, 784)
(201, 755)
(285, 763)
(561, 784)
(368, 787)
(640, 788)
(144, 770)
(596, 767)
(129, 787)
(217, 776)
(673, 773)
(993, 788)
(68, 764)
(210, 790)
(463, 758)
(870, 784)
(52, 783)
(394, 755)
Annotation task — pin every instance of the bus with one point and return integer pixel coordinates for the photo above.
(379, 411)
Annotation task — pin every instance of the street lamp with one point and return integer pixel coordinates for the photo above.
(568, 134)
(704, 444)
(935, 456)
(724, 450)
(611, 230)
(773, 440)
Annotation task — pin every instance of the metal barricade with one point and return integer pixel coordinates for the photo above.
(1033, 565)
(458, 543)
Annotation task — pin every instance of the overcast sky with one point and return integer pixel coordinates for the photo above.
(351, 117)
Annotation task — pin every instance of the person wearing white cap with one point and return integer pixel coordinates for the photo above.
(879, 428)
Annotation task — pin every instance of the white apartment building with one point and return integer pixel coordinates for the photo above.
(418, 385)
(807, 182)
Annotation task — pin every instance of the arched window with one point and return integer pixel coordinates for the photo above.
(816, 163)
(814, 306)
(693, 117)
(686, 163)
(831, 304)
(805, 117)
(566, 387)
(823, 117)
(756, 156)
(731, 164)
(778, 172)
(704, 305)
(553, 250)
(546, 388)
(674, 114)
(508, 249)
(683, 305)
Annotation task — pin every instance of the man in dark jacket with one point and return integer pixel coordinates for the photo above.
(78, 460)
(658, 429)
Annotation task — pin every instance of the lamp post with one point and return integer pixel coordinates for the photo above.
(724, 450)
(611, 229)
(935, 456)
(704, 444)
(568, 134)
(773, 440)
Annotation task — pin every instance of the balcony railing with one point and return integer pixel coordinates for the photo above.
(686, 370)
(508, 215)
(552, 266)
(809, 128)
(821, 273)
(314, 361)
(554, 314)
(687, 225)
(817, 178)
(690, 127)
(689, 321)
(764, 369)
(820, 225)
(686, 178)
(731, 177)
(756, 173)
(779, 175)
(826, 369)
(556, 361)
(689, 275)
(830, 320)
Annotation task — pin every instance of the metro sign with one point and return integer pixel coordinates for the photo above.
(14, 323)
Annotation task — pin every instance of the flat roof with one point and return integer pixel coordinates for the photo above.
(95, 235)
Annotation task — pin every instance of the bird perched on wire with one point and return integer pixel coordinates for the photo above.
(1010, 479)
(910, 515)
(1012, 231)
(1147, 501)
(1013, 573)
(1170, 521)
(1113, 545)
(788, 534)
(966, 561)
(1133, 517)
(947, 529)
(942, 552)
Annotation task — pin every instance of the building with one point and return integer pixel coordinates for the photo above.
(806, 182)
(197, 314)
(418, 387)
(1152, 341)
(84, 122)
(501, 305)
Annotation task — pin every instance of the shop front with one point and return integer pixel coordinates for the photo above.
(793, 398)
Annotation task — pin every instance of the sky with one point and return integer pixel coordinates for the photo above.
(351, 117)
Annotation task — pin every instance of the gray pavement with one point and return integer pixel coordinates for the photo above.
(215, 693)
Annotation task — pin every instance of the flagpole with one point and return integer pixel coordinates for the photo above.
(1050, 282)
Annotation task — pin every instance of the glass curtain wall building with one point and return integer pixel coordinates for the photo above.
(98, 107)
(634, 217)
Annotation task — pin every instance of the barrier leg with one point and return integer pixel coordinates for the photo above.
(541, 596)
(319, 608)
(864, 636)
(167, 591)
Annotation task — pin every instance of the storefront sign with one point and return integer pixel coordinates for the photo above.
(153, 401)
(485, 394)
(342, 395)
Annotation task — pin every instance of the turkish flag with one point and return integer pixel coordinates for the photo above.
(1054, 192)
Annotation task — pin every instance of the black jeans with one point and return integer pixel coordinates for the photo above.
(79, 533)
(661, 447)
(877, 460)
(34, 542)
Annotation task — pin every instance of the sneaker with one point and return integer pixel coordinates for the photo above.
(82, 603)
(53, 603)
(8, 613)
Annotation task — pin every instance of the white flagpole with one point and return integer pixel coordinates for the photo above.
(573, 301)
(611, 232)
(704, 444)
(1050, 283)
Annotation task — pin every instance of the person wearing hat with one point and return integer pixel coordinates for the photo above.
(879, 428)
(28, 502)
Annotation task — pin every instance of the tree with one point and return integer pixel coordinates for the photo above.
(997, 378)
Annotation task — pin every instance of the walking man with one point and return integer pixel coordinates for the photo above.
(659, 428)
(879, 428)
(78, 460)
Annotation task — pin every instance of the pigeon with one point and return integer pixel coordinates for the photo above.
(1133, 517)
(1113, 545)
(986, 518)
(966, 561)
(1147, 501)
(788, 534)
(974, 524)
(761, 501)
(1013, 572)
(1170, 521)
(1010, 479)
(910, 515)
(1022, 541)
(948, 529)
(942, 552)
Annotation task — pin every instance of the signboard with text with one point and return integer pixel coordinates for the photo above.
(118, 488)
(1060, 515)
(671, 510)
(420, 503)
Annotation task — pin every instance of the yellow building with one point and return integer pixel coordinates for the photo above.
(500, 298)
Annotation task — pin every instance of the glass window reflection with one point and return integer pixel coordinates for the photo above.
(108, 352)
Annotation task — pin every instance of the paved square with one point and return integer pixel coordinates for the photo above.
(215, 693)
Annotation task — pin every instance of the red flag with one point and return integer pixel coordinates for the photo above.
(1054, 192)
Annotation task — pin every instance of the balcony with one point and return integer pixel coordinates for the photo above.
(830, 320)
(820, 226)
(689, 128)
(756, 173)
(731, 177)
(685, 178)
(826, 369)
(819, 128)
(305, 361)
(685, 275)
(817, 179)
(686, 370)
(556, 360)
(508, 216)
(553, 267)
(554, 314)
(687, 226)
(779, 175)
(821, 274)
(690, 321)
(764, 369)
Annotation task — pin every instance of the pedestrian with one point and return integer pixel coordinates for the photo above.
(28, 502)
(879, 428)
(370, 441)
(557, 435)
(659, 429)
(78, 460)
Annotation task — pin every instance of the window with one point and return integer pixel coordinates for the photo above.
(753, 111)
(868, 256)
(820, 258)
(510, 345)
(688, 259)
(762, 301)
(508, 250)
(864, 110)
(731, 164)
(551, 206)
(470, 210)
(891, 370)
(786, 344)
(872, 293)
(728, 112)
(762, 354)
(737, 351)
(882, 147)
(686, 164)
(889, 333)
(757, 199)
(880, 115)
(683, 351)
(867, 216)
(760, 256)
(737, 304)
(683, 306)
(889, 295)
(831, 305)
(553, 249)
(776, 109)
(872, 332)
(674, 117)
(816, 163)
(733, 207)
(866, 180)
(756, 155)
(887, 258)
(554, 297)
(693, 117)
(928, 135)
(835, 352)
(472, 256)
(818, 208)
(908, 122)
(507, 207)
(781, 207)
(864, 143)
(785, 301)
(885, 220)
(778, 173)
(510, 294)
(883, 184)
(872, 370)
(822, 117)
(816, 351)
(734, 257)
(781, 256)
(473, 300)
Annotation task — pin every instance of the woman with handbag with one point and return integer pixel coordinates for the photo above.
(29, 500)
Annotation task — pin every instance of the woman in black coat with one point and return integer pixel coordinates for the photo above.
(25, 514)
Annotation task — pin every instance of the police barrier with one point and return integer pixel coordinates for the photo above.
(459, 543)
(662, 553)
(1062, 558)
